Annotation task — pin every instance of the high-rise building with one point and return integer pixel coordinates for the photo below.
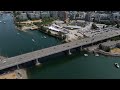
(54, 14)
(45, 14)
(63, 15)
(22, 16)
(33, 15)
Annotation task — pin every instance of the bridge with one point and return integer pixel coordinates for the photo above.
(24, 58)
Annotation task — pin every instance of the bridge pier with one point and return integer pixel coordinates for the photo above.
(69, 52)
(18, 67)
(81, 48)
(37, 62)
(92, 43)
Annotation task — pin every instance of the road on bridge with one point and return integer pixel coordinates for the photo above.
(13, 61)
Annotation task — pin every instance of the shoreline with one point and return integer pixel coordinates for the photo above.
(106, 53)
(54, 35)
(26, 28)
(16, 74)
(94, 49)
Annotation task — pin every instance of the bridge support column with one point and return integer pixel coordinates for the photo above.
(92, 43)
(69, 52)
(18, 67)
(37, 62)
(81, 48)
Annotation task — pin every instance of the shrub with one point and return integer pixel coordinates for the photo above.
(118, 45)
(107, 49)
(100, 46)
(118, 26)
(49, 32)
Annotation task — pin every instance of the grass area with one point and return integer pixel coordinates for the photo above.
(45, 21)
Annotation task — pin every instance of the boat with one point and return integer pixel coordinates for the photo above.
(4, 22)
(117, 65)
(44, 37)
(96, 54)
(85, 54)
(18, 33)
(0, 21)
(33, 40)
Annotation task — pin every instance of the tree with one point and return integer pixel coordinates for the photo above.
(103, 26)
(115, 38)
(107, 49)
(94, 26)
(118, 45)
(118, 26)
(100, 46)
(93, 19)
(37, 24)
(60, 34)
(43, 28)
(112, 23)
(18, 13)
(64, 37)
(49, 32)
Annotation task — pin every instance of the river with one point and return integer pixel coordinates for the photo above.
(14, 42)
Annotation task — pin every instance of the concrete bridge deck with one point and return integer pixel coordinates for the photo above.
(13, 61)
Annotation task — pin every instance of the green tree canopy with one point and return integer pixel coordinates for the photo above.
(94, 26)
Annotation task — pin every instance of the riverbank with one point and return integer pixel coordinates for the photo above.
(27, 27)
(106, 53)
(17, 74)
(52, 33)
(94, 49)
